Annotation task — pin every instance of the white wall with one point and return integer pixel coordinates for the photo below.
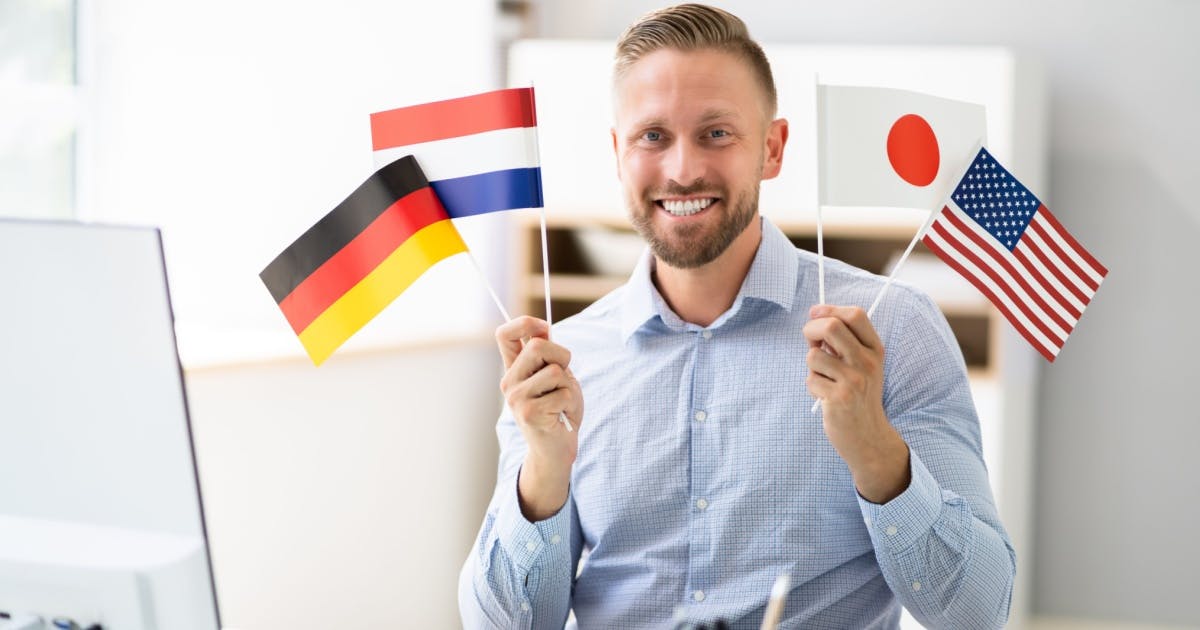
(1115, 468)
(234, 126)
(346, 496)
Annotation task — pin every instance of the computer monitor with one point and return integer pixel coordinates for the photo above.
(101, 519)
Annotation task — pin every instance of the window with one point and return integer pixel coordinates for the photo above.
(39, 108)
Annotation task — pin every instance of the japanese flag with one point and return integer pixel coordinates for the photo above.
(893, 148)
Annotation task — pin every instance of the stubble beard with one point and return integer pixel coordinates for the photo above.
(688, 245)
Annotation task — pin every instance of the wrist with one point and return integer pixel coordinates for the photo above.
(542, 487)
(882, 471)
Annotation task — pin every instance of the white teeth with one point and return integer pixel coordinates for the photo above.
(685, 208)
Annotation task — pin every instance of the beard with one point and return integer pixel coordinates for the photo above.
(693, 244)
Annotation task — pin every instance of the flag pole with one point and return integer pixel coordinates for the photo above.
(933, 214)
(537, 155)
(817, 196)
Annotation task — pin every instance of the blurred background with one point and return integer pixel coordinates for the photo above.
(351, 494)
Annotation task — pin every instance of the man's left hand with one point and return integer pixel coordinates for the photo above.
(845, 361)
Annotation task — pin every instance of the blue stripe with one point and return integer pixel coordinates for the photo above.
(490, 192)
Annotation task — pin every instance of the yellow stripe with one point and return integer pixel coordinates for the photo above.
(385, 283)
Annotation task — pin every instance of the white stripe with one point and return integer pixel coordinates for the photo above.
(1066, 247)
(1035, 240)
(974, 271)
(1005, 277)
(1016, 264)
(1027, 249)
(469, 155)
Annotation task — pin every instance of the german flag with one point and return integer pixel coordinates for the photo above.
(360, 257)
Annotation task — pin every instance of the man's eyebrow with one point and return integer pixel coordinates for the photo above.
(707, 117)
(717, 114)
(645, 123)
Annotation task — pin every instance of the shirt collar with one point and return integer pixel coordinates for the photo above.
(772, 278)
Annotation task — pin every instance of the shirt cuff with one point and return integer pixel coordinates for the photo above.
(525, 542)
(906, 519)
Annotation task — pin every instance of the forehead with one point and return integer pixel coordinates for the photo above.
(678, 86)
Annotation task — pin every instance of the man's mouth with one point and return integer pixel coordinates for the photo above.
(685, 207)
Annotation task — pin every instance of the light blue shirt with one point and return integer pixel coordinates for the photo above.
(702, 474)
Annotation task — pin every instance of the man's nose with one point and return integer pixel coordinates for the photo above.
(684, 163)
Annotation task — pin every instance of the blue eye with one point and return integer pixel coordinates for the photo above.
(652, 136)
(718, 133)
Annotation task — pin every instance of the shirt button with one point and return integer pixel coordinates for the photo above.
(530, 546)
(707, 334)
(701, 504)
(525, 606)
(555, 539)
(698, 596)
(891, 530)
(700, 416)
(916, 586)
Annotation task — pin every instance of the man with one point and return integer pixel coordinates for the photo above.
(697, 473)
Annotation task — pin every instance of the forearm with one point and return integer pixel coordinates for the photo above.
(948, 566)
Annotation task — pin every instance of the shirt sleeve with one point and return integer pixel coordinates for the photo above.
(940, 543)
(519, 574)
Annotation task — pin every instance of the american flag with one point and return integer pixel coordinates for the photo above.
(997, 234)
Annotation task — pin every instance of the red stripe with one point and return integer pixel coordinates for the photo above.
(502, 109)
(1067, 260)
(361, 256)
(1056, 270)
(1008, 266)
(983, 288)
(1083, 253)
(1045, 283)
(991, 272)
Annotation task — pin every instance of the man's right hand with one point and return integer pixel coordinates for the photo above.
(537, 386)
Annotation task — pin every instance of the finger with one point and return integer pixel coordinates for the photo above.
(536, 354)
(827, 366)
(510, 336)
(549, 409)
(831, 332)
(532, 405)
(855, 319)
(550, 378)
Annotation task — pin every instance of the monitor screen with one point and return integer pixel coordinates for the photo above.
(101, 520)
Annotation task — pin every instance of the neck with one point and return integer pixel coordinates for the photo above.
(700, 295)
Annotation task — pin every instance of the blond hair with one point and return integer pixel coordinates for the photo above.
(695, 27)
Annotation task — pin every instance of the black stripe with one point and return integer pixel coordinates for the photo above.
(336, 229)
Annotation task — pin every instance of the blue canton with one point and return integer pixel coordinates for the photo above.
(999, 203)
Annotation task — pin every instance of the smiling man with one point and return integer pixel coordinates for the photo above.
(697, 473)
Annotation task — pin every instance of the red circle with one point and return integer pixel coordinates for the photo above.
(912, 149)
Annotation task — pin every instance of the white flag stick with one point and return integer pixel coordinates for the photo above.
(916, 237)
(817, 196)
(820, 257)
(537, 155)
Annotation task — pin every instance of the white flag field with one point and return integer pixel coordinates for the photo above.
(883, 147)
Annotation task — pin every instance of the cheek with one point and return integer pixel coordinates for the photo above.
(636, 169)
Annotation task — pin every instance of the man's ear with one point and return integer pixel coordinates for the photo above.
(777, 135)
(613, 132)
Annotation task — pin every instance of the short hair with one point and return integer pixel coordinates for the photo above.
(695, 27)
